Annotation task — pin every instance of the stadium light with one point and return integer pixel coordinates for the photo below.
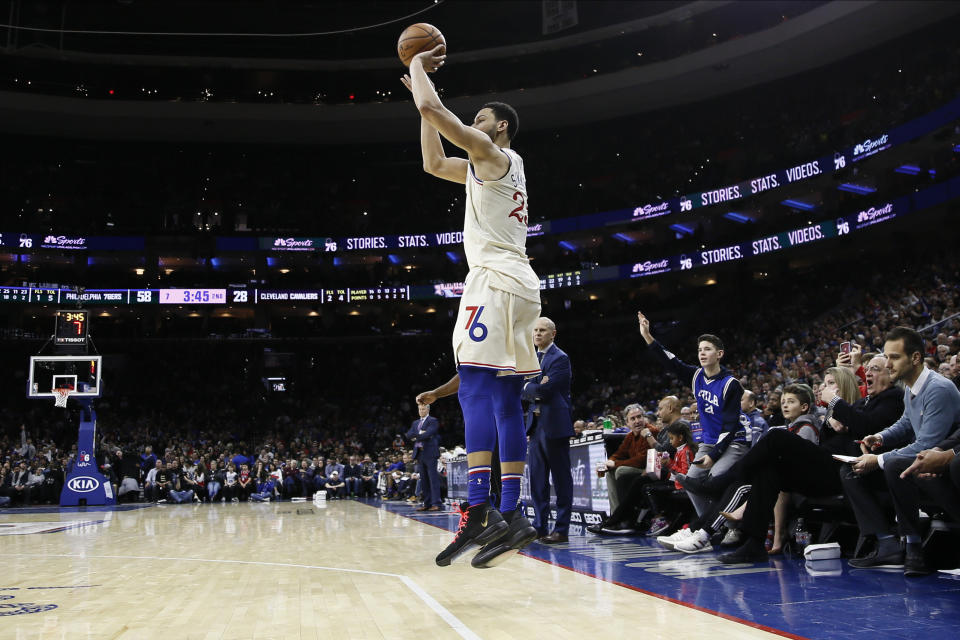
(856, 188)
(797, 204)
(908, 169)
(738, 217)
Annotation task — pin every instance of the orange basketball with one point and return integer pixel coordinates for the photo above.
(418, 38)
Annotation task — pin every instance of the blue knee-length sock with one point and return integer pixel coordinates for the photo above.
(476, 392)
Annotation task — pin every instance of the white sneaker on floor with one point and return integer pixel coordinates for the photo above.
(669, 542)
(733, 538)
(696, 543)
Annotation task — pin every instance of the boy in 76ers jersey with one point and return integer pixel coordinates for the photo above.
(718, 394)
(493, 337)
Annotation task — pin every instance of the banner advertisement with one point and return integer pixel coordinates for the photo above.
(589, 491)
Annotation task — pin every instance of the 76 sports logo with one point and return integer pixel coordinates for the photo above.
(475, 329)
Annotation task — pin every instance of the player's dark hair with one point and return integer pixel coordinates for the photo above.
(712, 339)
(503, 111)
(912, 341)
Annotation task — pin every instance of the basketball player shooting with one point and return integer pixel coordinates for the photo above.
(493, 338)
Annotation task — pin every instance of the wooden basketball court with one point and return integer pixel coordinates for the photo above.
(298, 570)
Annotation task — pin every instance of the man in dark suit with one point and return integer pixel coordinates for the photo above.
(426, 451)
(549, 423)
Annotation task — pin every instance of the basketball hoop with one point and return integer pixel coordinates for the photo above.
(60, 397)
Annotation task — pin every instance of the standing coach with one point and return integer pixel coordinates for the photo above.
(426, 450)
(549, 424)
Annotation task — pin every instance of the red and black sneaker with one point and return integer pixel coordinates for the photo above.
(519, 534)
(479, 525)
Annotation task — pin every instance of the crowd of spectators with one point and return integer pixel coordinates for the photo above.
(194, 413)
(173, 426)
(185, 470)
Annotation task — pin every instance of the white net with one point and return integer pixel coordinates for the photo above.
(60, 397)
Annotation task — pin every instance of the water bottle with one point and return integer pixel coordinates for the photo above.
(801, 536)
(607, 424)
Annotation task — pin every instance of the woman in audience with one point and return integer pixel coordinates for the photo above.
(215, 482)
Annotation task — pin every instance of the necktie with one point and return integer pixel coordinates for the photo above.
(539, 356)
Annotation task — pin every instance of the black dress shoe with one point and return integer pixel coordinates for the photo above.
(913, 563)
(554, 538)
(750, 552)
(876, 560)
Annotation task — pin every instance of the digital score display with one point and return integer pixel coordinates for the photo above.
(193, 296)
(71, 328)
(14, 294)
(560, 280)
(378, 293)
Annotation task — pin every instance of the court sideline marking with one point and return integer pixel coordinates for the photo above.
(455, 623)
(653, 594)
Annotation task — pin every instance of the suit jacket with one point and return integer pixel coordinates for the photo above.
(551, 398)
(425, 435)
(352, 470)
(862, 418)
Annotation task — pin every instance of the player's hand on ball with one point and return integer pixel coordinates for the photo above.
(433, 59)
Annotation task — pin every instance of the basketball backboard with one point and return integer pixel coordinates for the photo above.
(80, 374)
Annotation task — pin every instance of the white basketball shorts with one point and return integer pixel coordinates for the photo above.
(494, 328)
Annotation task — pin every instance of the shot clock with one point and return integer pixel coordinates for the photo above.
(71, 328)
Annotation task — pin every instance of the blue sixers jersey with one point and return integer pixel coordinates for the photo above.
(718, 399)
(709, 394)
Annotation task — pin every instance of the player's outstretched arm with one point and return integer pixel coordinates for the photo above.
(476, 143)
(448, 388)
(435, 160)
(666, 358)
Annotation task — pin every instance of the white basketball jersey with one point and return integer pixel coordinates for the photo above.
(495, 229)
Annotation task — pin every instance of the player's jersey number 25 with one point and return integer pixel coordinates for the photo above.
(520, 212)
